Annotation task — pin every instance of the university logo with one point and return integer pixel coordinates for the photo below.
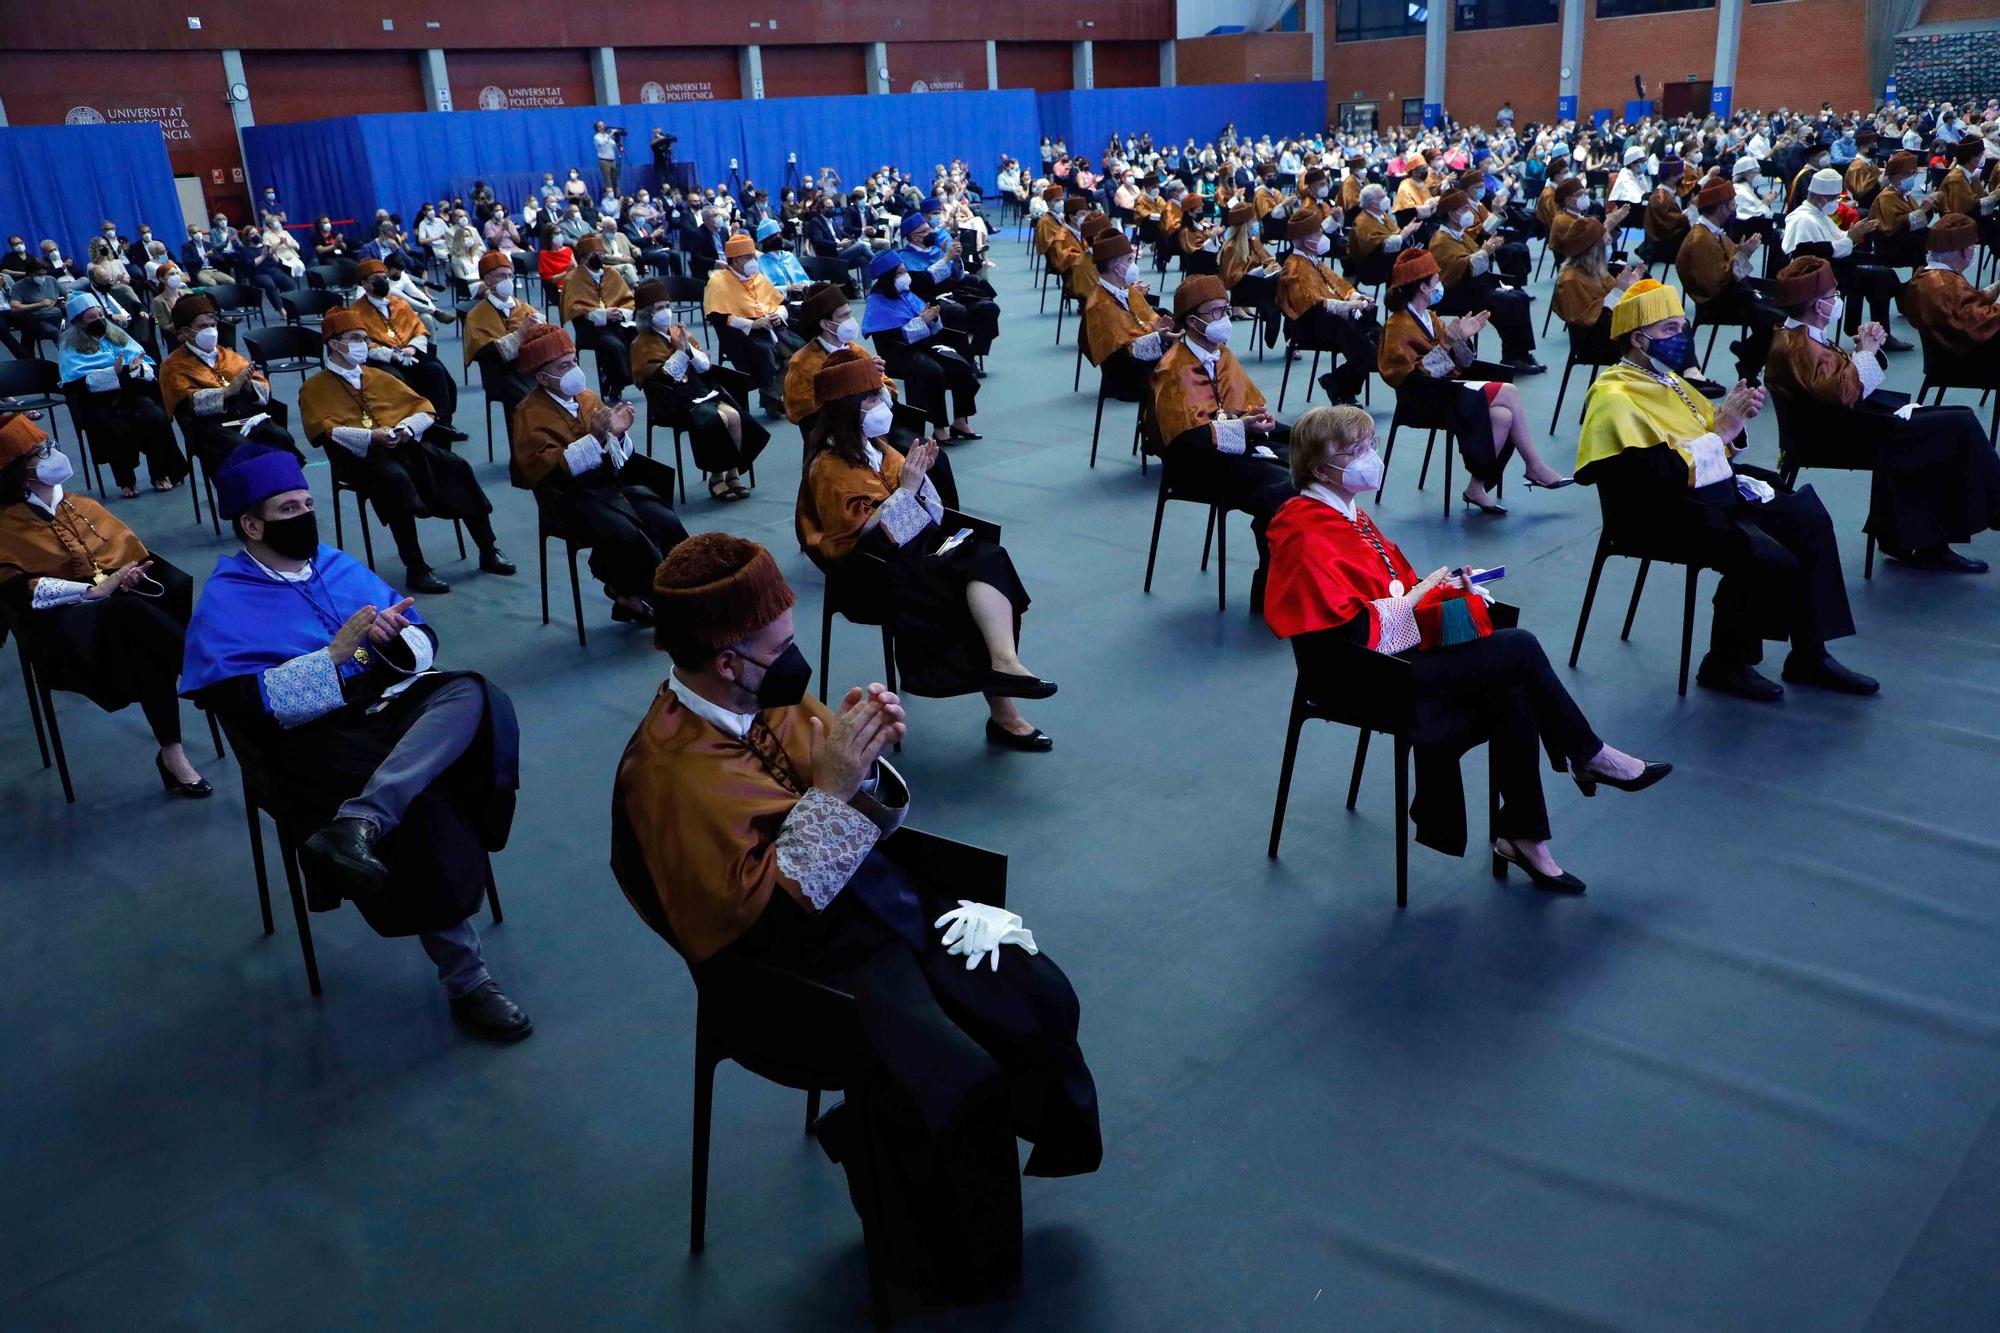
(652, 92)
(920, 87)
(492, 98)
(83, 115)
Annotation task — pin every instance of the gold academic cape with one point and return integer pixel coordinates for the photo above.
(326, 400)
(1805, 367)
(182, 374)
(1629, 409)
(580, 295)
(542, 430)
(80, 541)
(800, 402)
(399, 328)
(1108, 326)
(1305, 283)
(1943, 304)
(485, 325)
(1184, 397)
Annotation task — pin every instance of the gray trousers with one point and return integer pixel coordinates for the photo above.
(448, 724)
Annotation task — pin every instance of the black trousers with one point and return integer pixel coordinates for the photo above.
(1746, 301)
(977, 317)
(1512, 319)
(212, 442)
(124, 649)
(612, 345)
(128, 421)
(930, 369)
(420, 479)
(428, 376)
(1869, 283)
(1781, 577)
(762, 354)
(1352, 342)
(1500, 688)
(1936, 478)
(629, 526)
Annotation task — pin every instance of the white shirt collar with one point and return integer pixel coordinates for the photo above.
(207, 358)
(1208, 359)
(830, 346)
(1326, 495)
(351, 375)
(568, 405)
(1709, 223)
(875, 456)
(1122, 295)
(1817, 335)
(1944, 267)
(304, 575)
(55, 500)
(733, 725)
(381, 303)
(505, 307)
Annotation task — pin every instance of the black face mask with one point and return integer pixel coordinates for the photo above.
(594, 262)
(785, 679)
(378, 286)
(295, 538)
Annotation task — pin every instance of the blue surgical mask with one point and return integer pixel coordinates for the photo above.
(1675, 353)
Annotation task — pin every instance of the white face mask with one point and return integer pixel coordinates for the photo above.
(663, 321)
(504, 289)
(1320, 191)
(55, 469)
(1839, 309)
(1830, 207)
(205, 339)
(1465, 218)
(1217, 331)
(355, 350)
(571, 383)
(902, 282)
(848, 332)
(1363, 473)
(875, 422)
(176, 281)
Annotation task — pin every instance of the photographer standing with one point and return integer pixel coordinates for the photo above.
(607, 156)
(663, 159)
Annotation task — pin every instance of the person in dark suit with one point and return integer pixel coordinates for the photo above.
(200, 259)
(704, 242)
(828, 235)
(866, 223)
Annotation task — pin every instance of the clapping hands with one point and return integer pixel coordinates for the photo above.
(844, 754)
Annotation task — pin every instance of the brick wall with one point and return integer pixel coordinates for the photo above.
(1664, 48)
(1518, 65)
(1126, 64)
(1386, 72)
(1775, 68)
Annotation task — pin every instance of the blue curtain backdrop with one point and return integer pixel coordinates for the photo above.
(61, 181)
(349, 166)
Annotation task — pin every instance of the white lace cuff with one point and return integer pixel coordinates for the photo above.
(509, 346)
(1147, 347)
(699, 358)
(302, 689)
(416, 424)
(1228, 436)
(1711, 459)
(599, 316)
(207, 402)
(422, 655)
(903, 515)
(582, 455)
(676, 366)
(101, 381)
(1612, 297)
(1477, 263)
(1919, 219)
(1869, 368)
(740, 324)
(354, 439)
(1392, 243)
(915, 329)
(1396, 624)
(49, 593)
(821, 845)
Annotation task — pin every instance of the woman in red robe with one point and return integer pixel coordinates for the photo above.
(1335, 578)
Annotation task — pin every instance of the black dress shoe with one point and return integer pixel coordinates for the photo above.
(495, 561)
(424, 581)
(1945, 560)
(486, 1012)
(1895, 344)
(1587, 781)
(1009, 686)
(452, 433)
(1827, 674)
(198, 790)
(1547, 883)
(625, 615)
(1526, 365)
(1036, 742)
(347, 848)
(1740, 679)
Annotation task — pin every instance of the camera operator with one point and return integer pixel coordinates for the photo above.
(610, 146)
(663, 158)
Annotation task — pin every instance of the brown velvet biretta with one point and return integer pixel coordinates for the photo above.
(715, 589)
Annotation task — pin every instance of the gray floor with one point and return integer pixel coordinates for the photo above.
(1749, 1081)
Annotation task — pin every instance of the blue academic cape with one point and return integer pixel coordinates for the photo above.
(886, 314)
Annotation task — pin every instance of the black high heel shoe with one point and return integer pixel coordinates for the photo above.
(1587, 781)
(1563, 883)
(197, 790)
(1555, 485)
(1494, 510)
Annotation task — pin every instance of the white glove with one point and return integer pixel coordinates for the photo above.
(977, 932)
(1905, 412)
(1755, 490)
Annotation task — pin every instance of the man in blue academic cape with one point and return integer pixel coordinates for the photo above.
(937, 274)
(408, 772)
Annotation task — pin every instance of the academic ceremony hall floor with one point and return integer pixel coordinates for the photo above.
(1748, 1082)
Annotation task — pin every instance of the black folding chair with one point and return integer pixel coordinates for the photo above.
(33, 385)
(309, 304)
(286, 348)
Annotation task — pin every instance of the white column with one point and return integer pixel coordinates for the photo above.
(750, 69)
(1569, 86)
(1083, 66)
(3, 113)
(1436, 28)
(878, 67)
(992, 69)
(604, 75)
(1728, 37)
(241, 114)
(1316, 25)
(437, 81)
(1169, 75)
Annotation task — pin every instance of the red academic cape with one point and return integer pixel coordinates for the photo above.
(1324, 572)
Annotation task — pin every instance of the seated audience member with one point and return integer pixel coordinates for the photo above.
(826, 313)
(398, 343)
(172, 285)
(387, 240)
(1936, 478)
(1664, 220)
(1244, 265)
(829, 236)
(937, 275)
(554, 259)
(1663, 454)
(1903, 216)
(1961, 190)
(1572, 206)
(957, 608)
(597, 307)
(1066, 244)
(328, 244)
(416, 294)
(1051, 220)
(262, 268)
(1083, 277)
(1630, 186)
(1375, 230)
(1862, 177)
(228, 400)
(1122, 334)
(106, 286)
(1337, 578)
(1465, 266)
(494, 326)
(201, 258)
(376, 432)
(776, 261)
(1324, 309)
(1756, 197)
(114, 395)
(1587, 291)
(576, 455)
(408, 772)
(1810, 229)
(1353, 183)
(1432, 358)
(103, 614)
(500, 233)
(1414, 194)
(619, 255)
(931, 359)
(35, 303)
(707, 400)
(1942, 303)
(1715, 271)
(745, 821)
(749, 318)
